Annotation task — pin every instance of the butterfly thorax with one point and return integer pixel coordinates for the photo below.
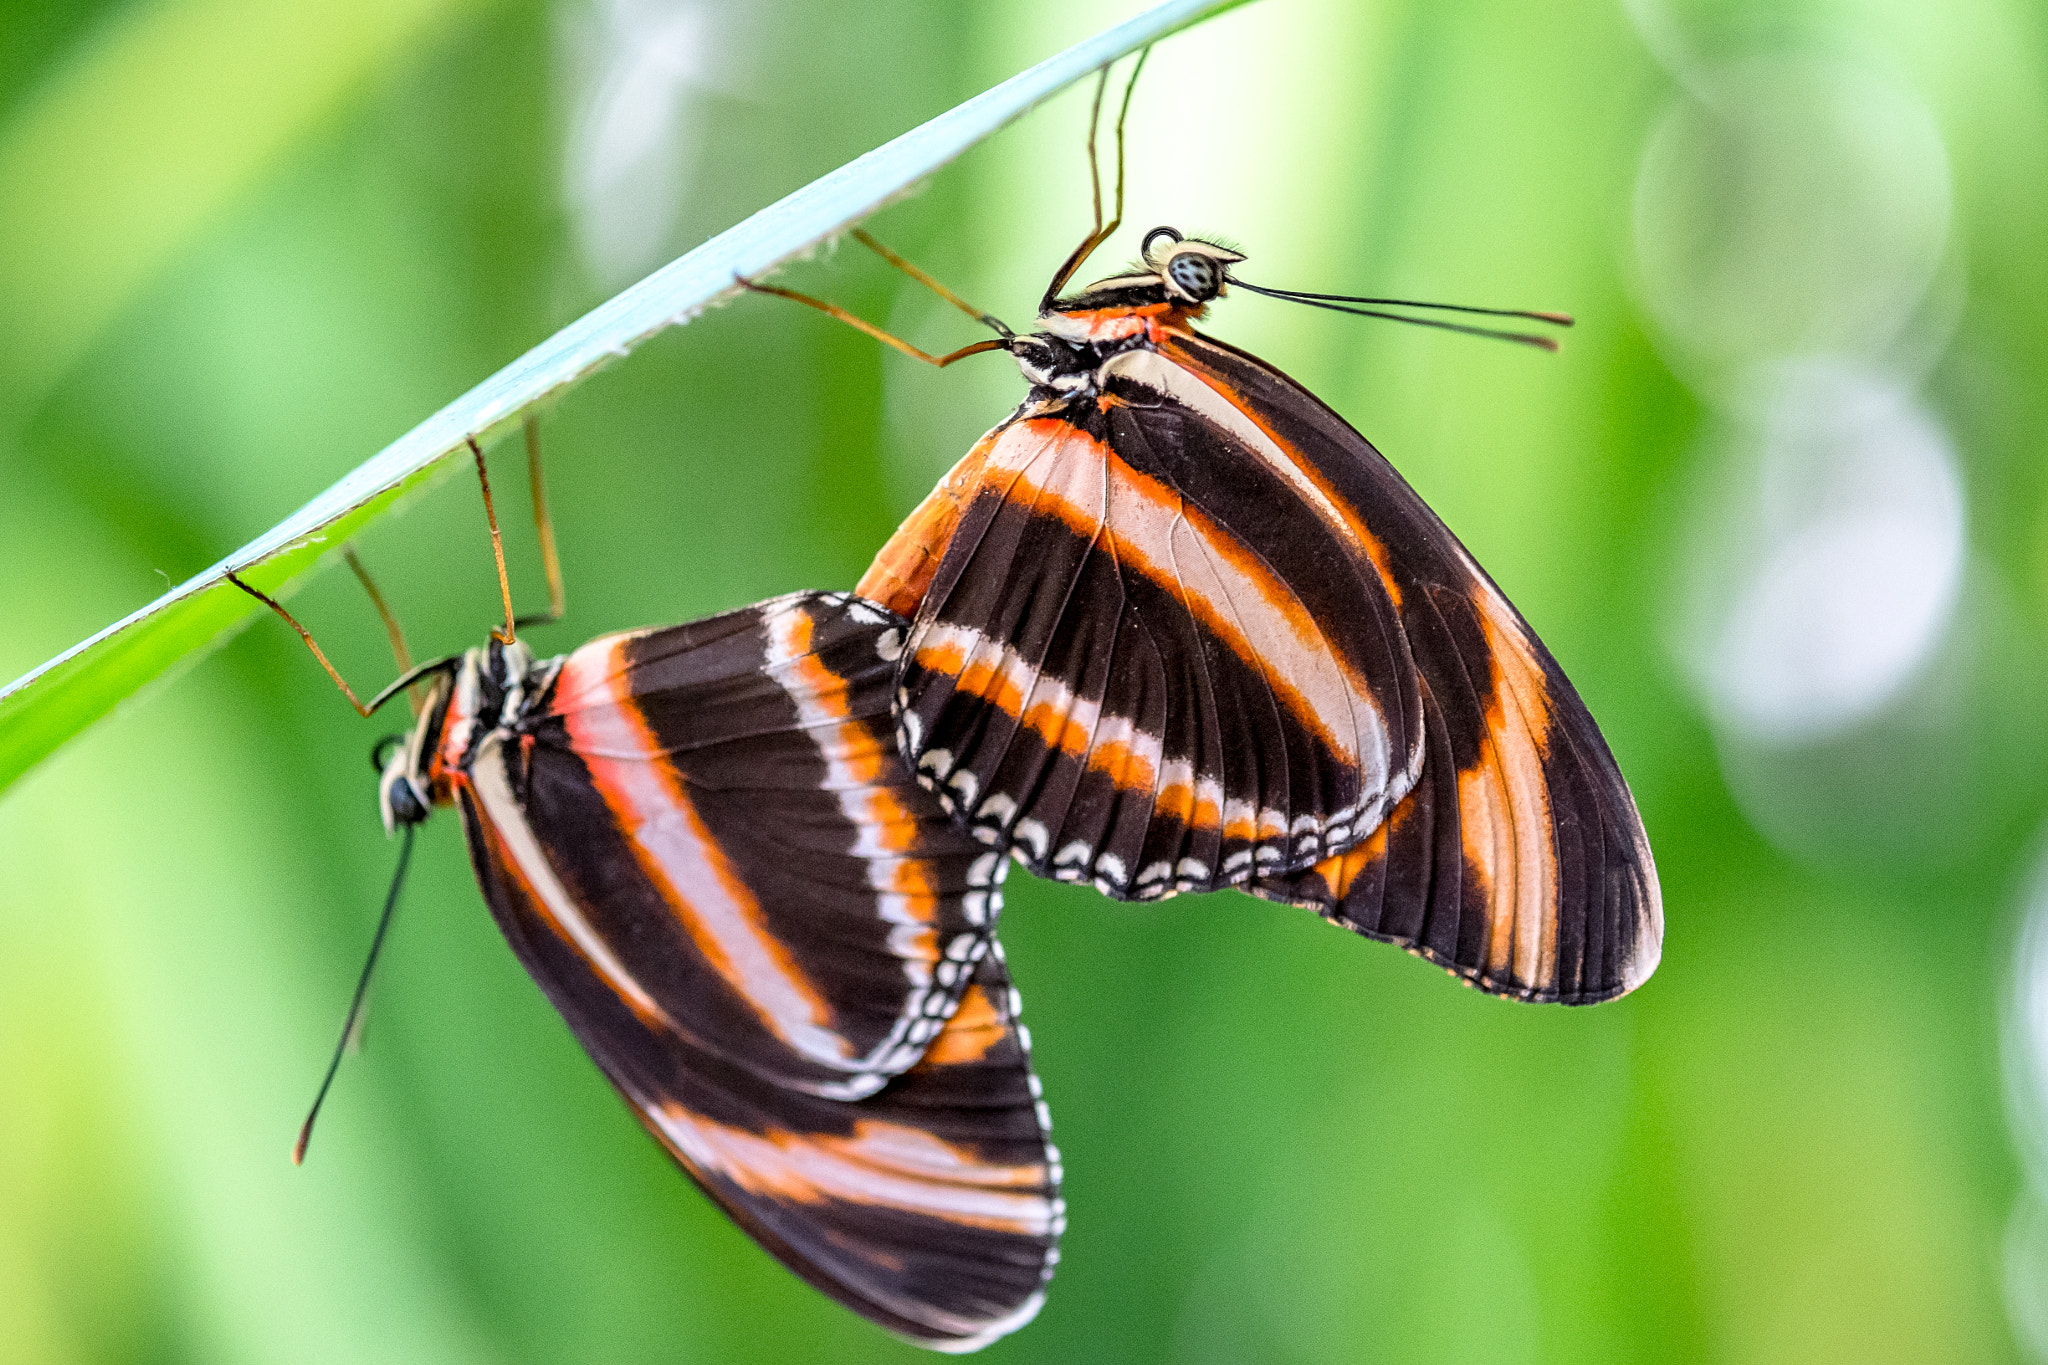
(1068, 363)
(497, 689)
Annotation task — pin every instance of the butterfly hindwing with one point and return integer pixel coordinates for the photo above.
(1519, 861)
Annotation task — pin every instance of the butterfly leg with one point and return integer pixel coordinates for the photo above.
(384, 613)
(988, 320)
(510, 633)
(307, 636)
(544, 528)
(1101, 231)
(409, 674)
(391, 626)
(886, 338)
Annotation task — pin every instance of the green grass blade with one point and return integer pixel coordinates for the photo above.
(46, 707)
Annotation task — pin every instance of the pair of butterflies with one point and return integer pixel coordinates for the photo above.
(1171, 627)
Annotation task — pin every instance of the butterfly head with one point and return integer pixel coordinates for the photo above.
(408, 765)
(1189, 270)
(1185, 272)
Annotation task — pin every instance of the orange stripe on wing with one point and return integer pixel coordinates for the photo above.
(975, 1028)
(1131, 756)
(1131, 762)
(902, 570)
(984, 678)
(1227, 588)
(1128, 754)
(1057, 727)
(1340, 872)
(1186, 802)
(680, 857)
(1001, 677)
(1504, 803)
(1183, 352)
(884, 1165)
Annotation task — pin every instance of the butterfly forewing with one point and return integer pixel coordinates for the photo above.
(1133, 666)
(1519, 861)
(713, 816)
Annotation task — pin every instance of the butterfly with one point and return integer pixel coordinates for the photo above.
(702, 845)
(1178, 626)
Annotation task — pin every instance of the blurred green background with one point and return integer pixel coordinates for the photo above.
(1778, 508)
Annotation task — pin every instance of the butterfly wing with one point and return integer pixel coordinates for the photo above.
(716, 818)
(1519, 861)
(930, 1207)
(1129, 684)
(933, 1207)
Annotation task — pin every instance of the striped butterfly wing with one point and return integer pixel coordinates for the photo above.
(714, 819)
(930, 1207)
(1519, 862)
(1134, 663)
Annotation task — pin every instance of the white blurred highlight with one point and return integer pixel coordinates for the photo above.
(1790, 207)
(632, 65)
(1840, 565)
(2025, 1047)
(2027, 1032)
(1791, 224)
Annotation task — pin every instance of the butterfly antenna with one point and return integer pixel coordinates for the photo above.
(867, 239)
(1339, 303)
(355, 1006)
(1303, 296)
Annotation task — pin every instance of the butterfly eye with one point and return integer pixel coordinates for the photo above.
(1197, 276)
(406, 806)
(398, 793)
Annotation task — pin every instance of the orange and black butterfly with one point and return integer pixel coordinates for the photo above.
(703, 845)
(1179, 627)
